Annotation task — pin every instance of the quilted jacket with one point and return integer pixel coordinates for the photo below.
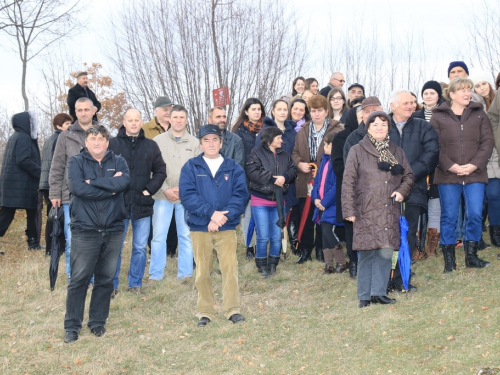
(366, 195)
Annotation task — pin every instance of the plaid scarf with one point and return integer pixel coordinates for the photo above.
(384, 155)
(254, 127)
(315, 139)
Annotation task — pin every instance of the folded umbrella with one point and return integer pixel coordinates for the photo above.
(56, 215)
(307, 206)
(404, 257)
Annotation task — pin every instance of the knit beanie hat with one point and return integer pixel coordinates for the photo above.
(434, 85)
(454, 64)
(481, 77)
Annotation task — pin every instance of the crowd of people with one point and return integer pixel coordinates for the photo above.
(327, 169)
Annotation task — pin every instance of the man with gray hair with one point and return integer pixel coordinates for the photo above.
(160, 123)
(419, 141)
(81, 90)
(336, 80)
(69, 144)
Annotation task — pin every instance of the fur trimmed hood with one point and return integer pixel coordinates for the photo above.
(26, 122)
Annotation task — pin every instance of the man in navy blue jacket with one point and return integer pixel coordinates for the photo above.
(97, 179)
(214, 193)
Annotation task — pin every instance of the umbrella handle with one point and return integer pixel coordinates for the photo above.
(56, 208)
(402, 209)
(314, 169)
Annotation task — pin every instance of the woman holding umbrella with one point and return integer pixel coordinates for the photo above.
(377, 175)
(269, 170)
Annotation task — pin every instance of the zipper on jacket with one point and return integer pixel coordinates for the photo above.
(462, 144)
(100, 202)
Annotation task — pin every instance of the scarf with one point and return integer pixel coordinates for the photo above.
(253, 127)
(315, 138)
(386, 160)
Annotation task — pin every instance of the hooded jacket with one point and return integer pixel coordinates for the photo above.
(202, 195)
(462, 141)
(147, 171)
(366, 195)
(98, 205)
(21, 164)
(329, 201)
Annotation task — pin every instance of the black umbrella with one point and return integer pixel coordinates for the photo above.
(281, 216)
(55, 215)
(423, 232)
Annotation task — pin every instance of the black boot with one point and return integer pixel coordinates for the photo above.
(471, 259)
(353, 270)
(319, 255)
(449, 258)
(482, 244)
(305, 255)
(33, 244)
(272, 263)
(495, 235)
(261, 264)
(250, 253)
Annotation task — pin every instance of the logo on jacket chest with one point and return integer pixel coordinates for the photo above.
(226, 176)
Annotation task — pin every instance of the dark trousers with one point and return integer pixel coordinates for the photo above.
(97, 253)
(412, 213)
(7, 215)
(172, 239)
(349, 236)
(308, 241)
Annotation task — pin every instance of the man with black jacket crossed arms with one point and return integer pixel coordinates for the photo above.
(147, 173)
(97, 179)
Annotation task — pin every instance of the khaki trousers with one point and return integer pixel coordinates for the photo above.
(224, 243)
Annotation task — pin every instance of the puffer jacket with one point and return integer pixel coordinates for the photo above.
(493, 168)
(494, 116)
(99, 205)
(147, 171)
(21, 164)
(47, 153)
(300, 154)
(329, 201)
(366, 195)
(262, 165)
(464, 141)
(69, 143)
(202, 195)
(248, 139)
(420, 143)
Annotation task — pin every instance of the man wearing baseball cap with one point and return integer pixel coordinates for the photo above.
(81, 90)
(369, 105)
(161, 122)
(214, 193)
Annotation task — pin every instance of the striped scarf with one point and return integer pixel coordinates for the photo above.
(315, 138)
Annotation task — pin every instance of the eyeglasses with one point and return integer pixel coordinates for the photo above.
(340, 80)
(336, 98)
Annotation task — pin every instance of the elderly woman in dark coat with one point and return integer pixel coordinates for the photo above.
(376, 173)
(21, 176)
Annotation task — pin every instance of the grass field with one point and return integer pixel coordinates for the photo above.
(298, 322)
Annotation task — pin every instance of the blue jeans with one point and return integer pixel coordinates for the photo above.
(140, 235)
(493, 196)
(93, 252)
(267, 231)
(450, 197)
(163, 211)
(67, 237)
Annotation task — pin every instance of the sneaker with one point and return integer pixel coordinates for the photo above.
(98, 331)
(70, 336)
(114, 293)
(237, 318)
(137, 290)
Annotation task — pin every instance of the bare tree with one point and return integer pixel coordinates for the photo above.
(34, 25)
(483, 47)
(187, 48)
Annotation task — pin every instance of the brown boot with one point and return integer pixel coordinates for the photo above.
(417, 255)
(432, 241)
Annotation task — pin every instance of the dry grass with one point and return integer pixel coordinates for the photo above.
(299, 322)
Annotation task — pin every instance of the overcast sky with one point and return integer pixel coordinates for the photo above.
(439, 21)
